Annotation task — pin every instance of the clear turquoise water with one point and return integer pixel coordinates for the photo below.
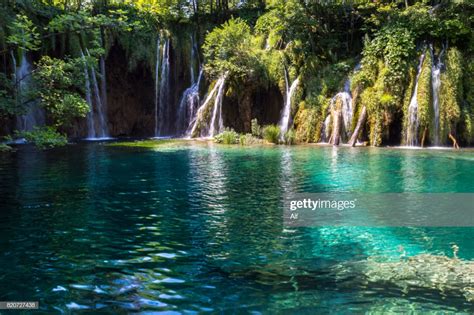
(198, 228)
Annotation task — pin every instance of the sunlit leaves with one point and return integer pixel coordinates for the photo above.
(23, 34)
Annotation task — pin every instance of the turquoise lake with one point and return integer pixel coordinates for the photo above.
(196, 228)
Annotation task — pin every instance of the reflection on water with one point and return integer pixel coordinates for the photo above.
(199, 228)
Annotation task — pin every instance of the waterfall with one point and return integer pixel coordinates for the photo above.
(413, 121)
(163, 106)
(157, 82)
(325, 135)
(190, 99)
(188, 104)
(97, 126)
(285, 114)
(90, 116)
(435, 85)
(103, 81)
(217, 112)
(199, 124)
(347, 110)
(34, 115)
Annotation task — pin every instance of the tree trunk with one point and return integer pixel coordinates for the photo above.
(455, 143)
(423, 137)
(360, 123)
(336, 130)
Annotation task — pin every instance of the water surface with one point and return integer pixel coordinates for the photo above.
(198, 228)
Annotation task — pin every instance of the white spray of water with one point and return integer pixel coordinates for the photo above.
(163, 108)
(97, 116)
(413, 119)
(210, 129)
(436, 85)
(157, 82)
(90, 116)
(286, 112)
(190, 99)
(34, 115)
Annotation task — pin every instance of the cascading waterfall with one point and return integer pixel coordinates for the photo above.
(285, 114)
(346, 110)
(103, 81)
(34, 115)
(436, 85)
(217, 112)
(413, 119)
(96, 125)
(90, 116)
(163, 106)
(190, 100)
(188, 104)
(157, 82)
(326, 128)
(216, 124)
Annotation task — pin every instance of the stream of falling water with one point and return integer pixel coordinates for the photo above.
(286, 112)
(163, 106)
(347, 110)
(436, 85)
(34, 115)
(157, 82)
(90, 116)
(189, 102)
(200, 126)
(97, 118)
(413, 119)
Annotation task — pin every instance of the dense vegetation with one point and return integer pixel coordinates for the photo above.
(257, 44)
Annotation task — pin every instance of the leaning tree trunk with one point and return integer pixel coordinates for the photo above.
(336, 130)
(360, 123)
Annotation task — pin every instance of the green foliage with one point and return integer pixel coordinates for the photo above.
(23, 34)
(424, 95)
(256, 128)
(451, 92)
(43, 138)
(59, 82)
(249, 139)
(468, 104)
(7, 99)
(228, 136)
(228, 49)
(271, 133)
(307, 128)
(5, 148)
(290, 137)
(394, 45)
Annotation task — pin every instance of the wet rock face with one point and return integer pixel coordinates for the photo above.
(263, 104)
(130, 95)
(6, 126)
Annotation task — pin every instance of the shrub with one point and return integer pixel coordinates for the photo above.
(290, 137)
(5, 148)
(228, 136)
(256, 129)
(249, 139)
(45, 137)
(271, 133)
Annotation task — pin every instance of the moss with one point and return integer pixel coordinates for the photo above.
(407, 98)
(150, 144)
(306, 124)
(467, 119)
(451, 93)
(424, 95)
